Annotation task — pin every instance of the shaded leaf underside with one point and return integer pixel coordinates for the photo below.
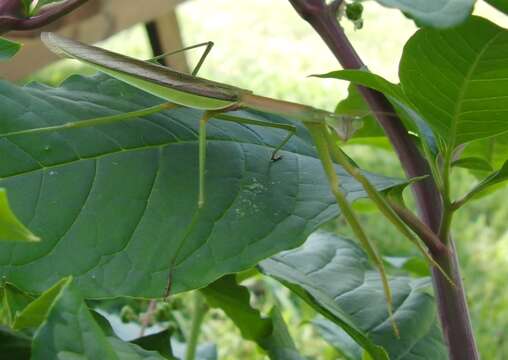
(336, 274)
(434, 13)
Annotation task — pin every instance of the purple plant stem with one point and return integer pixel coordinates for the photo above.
(9, 22)
(451, 301)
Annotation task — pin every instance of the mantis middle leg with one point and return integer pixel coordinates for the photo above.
(240, 120)
(208, 44)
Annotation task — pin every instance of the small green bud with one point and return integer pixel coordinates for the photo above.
(354, 12)
(163, 312)
(127, 314)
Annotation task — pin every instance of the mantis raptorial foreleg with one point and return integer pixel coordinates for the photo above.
(319, 135)
(381, 203)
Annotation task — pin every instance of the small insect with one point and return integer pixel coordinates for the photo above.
(217, 100)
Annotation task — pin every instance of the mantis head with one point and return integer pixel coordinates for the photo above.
(344, 125)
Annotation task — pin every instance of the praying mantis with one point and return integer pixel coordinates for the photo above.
(216, 100)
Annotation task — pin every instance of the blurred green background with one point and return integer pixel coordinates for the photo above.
(264, 46)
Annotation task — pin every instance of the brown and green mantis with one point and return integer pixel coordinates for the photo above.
(217, 100)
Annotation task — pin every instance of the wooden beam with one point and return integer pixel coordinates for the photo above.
(170, 39)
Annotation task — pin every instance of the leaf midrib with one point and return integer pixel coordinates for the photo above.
(149, 147)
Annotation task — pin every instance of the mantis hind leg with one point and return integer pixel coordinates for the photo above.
(237, 119)
(208, 47)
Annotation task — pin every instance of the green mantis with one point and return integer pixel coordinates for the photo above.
(217, 100)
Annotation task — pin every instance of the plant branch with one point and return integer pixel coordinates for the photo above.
(421, 229)
(147, 318)
(9, 22)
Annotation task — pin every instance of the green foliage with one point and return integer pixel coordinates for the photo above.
(13, 302)
(117, 251)
(462, 100)
(473, 163)
(270, 334)
(64, 327)
(410, 264)
(462, 104)
(233, 299)
(70, 330)
(8, 48)
(435, 13)
(356, 303)
(35, 313)
(455, 80)
(11, 229)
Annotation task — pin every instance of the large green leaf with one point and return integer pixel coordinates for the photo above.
(458, 79)
(434, 13)
(11, 229)
(334, 276)
(117, 205)
(270, 334)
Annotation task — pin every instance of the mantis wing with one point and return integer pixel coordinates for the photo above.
(168, 84)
